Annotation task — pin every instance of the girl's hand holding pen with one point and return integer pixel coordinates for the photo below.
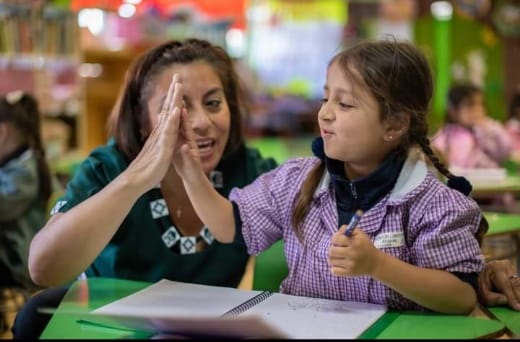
(352, 255)
(156, 156)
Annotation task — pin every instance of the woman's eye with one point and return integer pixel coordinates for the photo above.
(213, 104)
(324, 100)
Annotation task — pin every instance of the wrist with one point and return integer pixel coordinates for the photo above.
(130, 184)
(380, 264)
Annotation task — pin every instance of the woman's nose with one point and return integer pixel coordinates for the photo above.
(199, 119)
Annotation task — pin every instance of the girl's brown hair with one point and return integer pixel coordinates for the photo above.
(130, 115)
(398, 75)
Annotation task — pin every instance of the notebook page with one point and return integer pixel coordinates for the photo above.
(314, 318)
(178, 299)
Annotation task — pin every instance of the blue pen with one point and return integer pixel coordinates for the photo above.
(354, 222)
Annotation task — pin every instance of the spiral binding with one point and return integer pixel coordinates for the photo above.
(248, 304)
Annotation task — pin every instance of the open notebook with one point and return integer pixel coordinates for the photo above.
(170, 307)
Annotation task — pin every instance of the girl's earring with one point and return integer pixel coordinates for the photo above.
(389, 138)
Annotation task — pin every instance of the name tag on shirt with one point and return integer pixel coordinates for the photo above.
(387, 240)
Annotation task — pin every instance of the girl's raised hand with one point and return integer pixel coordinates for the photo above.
(186, 159)
(152, 163)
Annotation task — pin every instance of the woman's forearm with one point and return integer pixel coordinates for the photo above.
(70, 242)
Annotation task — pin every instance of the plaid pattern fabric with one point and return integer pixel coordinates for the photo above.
(437, 225)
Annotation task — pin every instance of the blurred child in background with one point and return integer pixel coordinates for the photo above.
(25, 188)
(25, 185)
(469, 137)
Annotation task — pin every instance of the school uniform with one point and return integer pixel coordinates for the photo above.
(409, 214)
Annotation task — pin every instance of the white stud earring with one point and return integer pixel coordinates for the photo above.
(389, 138)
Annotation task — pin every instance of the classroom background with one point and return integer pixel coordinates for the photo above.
(73, 54)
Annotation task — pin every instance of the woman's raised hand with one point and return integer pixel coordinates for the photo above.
(152, 163)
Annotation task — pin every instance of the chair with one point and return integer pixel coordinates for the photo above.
(270, 268)
(11, 300)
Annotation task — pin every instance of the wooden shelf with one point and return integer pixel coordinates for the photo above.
(101, 93)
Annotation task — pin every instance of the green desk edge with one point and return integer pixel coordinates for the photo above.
(502, 223)
(509, 317)
(420, 325)
(103, 291)
(392, 325)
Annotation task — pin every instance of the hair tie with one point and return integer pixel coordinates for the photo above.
(461, 184)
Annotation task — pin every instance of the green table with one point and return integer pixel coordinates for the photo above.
(92, 293)
(502, 223)
(484, 189)
(509, 317)
(87, 295)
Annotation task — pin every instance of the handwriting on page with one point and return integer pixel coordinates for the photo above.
(303, 317)
(316, 305)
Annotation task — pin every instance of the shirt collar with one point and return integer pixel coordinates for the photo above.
(412, 173)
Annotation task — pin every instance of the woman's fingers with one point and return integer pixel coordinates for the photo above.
(169, 101)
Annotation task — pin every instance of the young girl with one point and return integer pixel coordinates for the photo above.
(25, 185)
(415, 246)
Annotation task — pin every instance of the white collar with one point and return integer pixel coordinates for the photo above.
(414, 171)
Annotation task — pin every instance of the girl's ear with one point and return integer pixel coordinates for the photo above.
(398, 125)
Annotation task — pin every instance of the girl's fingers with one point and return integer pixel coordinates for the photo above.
(187, 130)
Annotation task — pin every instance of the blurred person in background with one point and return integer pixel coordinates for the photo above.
(26, 185)
(470, 138)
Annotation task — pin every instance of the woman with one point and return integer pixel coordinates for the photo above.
(125, 213)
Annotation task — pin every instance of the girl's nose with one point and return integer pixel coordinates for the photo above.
(325, 113)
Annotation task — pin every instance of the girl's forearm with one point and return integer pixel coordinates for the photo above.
(215, 211)
(70, 242)
(437, 290)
